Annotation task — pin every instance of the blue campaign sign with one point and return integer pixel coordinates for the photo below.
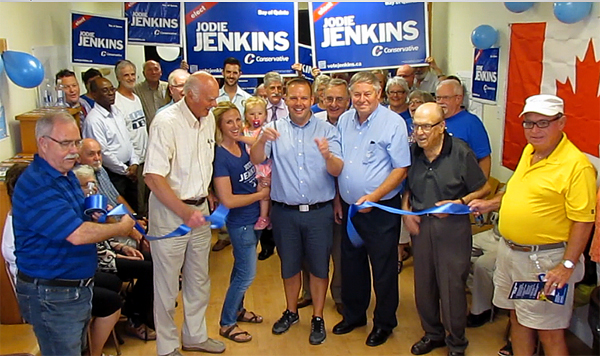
(97, 40)
(153, 22)
(262, 35)
(305, 59)
(248, 84)
(485, 74)
(350, 36)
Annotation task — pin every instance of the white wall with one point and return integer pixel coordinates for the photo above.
(454, 52)
(28, 25)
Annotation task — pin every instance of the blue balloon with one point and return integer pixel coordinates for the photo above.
(23, 69)
(484, 36)
(518, 7)
(571, 12)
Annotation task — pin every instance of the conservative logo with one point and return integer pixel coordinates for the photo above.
(377, 51)
(250, 58)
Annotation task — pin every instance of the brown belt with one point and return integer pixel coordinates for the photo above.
(534, 248)
(195, 202)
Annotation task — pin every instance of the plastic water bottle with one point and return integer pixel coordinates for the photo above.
(47, 98)
(91, 189)
(60, 94)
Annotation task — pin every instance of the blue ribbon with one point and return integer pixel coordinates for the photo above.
(356, 240)
(97, 203)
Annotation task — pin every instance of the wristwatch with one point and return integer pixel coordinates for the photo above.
(568, 264)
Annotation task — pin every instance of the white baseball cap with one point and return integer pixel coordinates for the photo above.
(544, 104)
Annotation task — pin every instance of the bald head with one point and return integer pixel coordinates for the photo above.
(430, 110)
(408, 73)
(90, 153)
(201, 91)
(152, 71)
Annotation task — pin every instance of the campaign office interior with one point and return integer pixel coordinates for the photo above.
(45, 27)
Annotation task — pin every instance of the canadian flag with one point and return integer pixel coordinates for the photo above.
(559, 59)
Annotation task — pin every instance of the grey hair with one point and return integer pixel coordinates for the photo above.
(272, 77)
(365, 77)
(321, 79)
(397, 81)
(177, 72)
(45, 125)
(338, 82)
(84, 171)
(122, 64)
(423, 95)
(456, 86)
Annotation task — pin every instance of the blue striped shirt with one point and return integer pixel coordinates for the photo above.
(47, 208)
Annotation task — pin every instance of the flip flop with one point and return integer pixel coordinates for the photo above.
(506, 350)
(234, 336)
(254, 319)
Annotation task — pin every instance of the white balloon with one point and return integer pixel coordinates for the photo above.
(168, 54)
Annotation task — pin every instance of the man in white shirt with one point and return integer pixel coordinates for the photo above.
(131, 107)
(231, 91)
(178, 171)
(106, 124)
(276, 108)
(176, 81)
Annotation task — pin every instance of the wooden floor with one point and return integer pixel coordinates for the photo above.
(266, 298)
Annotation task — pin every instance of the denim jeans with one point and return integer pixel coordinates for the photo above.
(244, 240)
(59, 316)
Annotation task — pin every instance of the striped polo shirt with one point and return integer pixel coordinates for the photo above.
(47, 208)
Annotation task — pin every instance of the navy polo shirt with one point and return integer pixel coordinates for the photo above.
(47, 208)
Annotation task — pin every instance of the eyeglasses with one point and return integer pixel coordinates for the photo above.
(542, 124)
(66, 144)
(331, 100)
(415, 102)
(426, 128)
(400, 92)
(444, 97)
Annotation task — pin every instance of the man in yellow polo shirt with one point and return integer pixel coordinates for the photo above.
(546, 217)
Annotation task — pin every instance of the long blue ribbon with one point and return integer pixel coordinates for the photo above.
(97, 203)
(357, 241)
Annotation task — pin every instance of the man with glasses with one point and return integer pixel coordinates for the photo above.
(546, 217)
(444, 170)
(376, 157)
(407, 73)
(54, 240)
(106, 124)
(176, 82)
(462, 124)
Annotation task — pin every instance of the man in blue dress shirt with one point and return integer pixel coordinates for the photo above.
(376, 157)
(306, 157)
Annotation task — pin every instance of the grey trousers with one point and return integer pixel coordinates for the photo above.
(442, 252)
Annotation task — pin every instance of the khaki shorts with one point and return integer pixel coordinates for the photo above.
(514, 266)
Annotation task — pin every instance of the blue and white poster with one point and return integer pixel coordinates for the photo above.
(305, 59)
(262, 35)
(485, 74)
(349, 36)
(97, 40)
(153, 23)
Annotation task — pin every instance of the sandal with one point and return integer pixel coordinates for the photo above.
(400, 265)
(255, 319)
(506, 350)
(229, 334)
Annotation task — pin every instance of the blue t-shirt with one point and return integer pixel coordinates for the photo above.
(242, 174)
(315, 109)
(47, 208)
(470, 129)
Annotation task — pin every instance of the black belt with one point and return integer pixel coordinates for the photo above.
(534, 248)
(55, 282)
(303, 207)
(195, 202)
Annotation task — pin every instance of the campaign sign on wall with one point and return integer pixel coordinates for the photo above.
(262, 35)
(349, 36)
(485, 74)
(97, 40)
(305, 59)
(155, 23)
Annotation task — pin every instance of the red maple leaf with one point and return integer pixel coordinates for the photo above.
(582, 104)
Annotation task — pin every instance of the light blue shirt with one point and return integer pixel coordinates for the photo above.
(239, 99)
(299, 171)
(371, 151)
